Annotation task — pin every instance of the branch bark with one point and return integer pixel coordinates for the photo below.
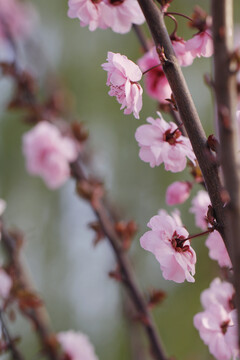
(225, 86)
(38, 316)
(102, 213)
(188, 113)
(16, 355)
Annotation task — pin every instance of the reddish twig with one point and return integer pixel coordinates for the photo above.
(38, 316)
(103, 214)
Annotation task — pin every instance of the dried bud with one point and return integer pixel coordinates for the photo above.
(79, 132)
(201, 20)
(213, 143)
(156, 297)
(116, 274)
(28, 300)
(126, 232)
(91, 190)
(172, 101)
(99, 233)
(211, 218)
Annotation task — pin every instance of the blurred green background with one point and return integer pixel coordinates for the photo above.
(69, 273)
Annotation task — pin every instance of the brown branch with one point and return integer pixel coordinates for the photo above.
(38, 315)
(10, 344)
(226, 98)
(186, 107)
(102, 213)
(141, 37)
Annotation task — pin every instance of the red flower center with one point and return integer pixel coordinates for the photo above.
(178, 243)
(171, 137)
(224, 326)
(115, 2)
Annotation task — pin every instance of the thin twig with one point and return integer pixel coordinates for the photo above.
(141, 37)
(38, 316)
(186, 107)
(225, 87)
(10, 344)
(103, 215)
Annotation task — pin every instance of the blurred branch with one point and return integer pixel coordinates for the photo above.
(38, 315)
(188, 113)
(10, 344)
(225, 85)
(103, 214)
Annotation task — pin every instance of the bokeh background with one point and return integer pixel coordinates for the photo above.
(69, 273)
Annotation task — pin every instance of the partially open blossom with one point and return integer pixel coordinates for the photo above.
(5, 284)
(178, 192)
(200, 45)
(217, 249)
(123, 77)
(48, 154)
(166, 241)
(114, 14)
(213, 325)
(199, 208)
(16, 18)
(184, 56)
(219, 292)
(156, 83)
(162, 142)
(76, 345)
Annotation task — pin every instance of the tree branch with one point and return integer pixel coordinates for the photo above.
(186, 107)
(102, 213)
(38, 316)
(225, 86)
(10, 345)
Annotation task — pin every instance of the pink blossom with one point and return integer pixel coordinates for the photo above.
(48, 154)
(178, 192)
(156, 83)
(213, 325)
(121, 14)
(219, 292)
(16, 18)
(116, 14)
(123, 77)
(3, 206)
(200, 45)
(185, 57)
(199, 208)
(217, 249)
(5, 284)
(162, 142)
(76, 345)
(166, 241)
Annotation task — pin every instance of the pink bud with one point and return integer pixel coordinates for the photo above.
(178, 192)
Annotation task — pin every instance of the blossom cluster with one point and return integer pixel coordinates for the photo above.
(217, 324)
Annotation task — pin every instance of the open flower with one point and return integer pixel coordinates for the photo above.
(217, 249)
(178, 192)
(162, 142)
(200, 45)
(156, 83)
(123, 77)
(184, 56)
(76, 346)
(166, 240)
(48, 154)
(213, 325)
(219, 292)
(119, 15)
(199, 208)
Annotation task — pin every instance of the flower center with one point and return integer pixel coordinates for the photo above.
(115, 2)
(178, 243)
(171, 137)
(224, 326)
(96, 1)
